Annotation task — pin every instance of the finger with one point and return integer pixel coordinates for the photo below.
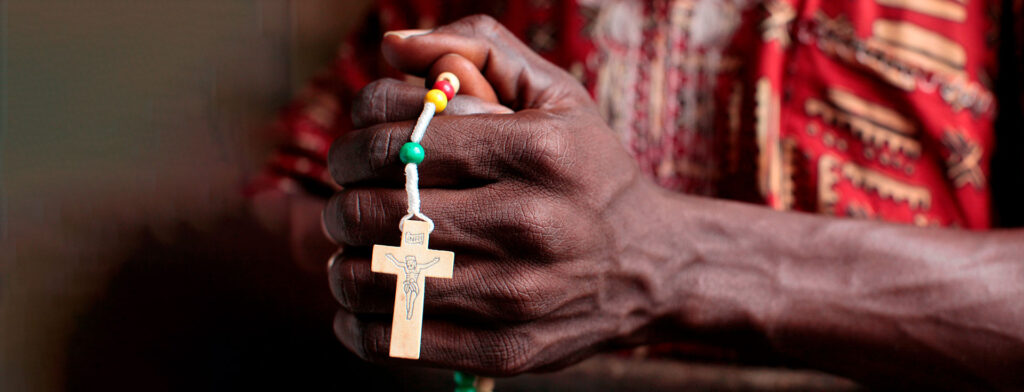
(460, 150)
(389, 100)
(355, 287)
(472, 82)
(521, 78)
(361, 217)
(481, 291)
(491, 352)
(496, 220)
(361, 291)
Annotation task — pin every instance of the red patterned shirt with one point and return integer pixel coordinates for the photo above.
(878, 109)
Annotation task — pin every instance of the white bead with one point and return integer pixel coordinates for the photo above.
(451, 78)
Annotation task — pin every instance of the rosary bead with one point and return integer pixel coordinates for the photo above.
(412, 153)
(464, 380)
(437, 98)
(451, 78)
(446, 87)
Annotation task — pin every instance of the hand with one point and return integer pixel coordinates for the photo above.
(539, 206)
(562, 248)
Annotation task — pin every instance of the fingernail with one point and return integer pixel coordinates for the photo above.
(403, 34)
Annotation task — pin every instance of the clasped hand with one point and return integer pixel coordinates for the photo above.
(534, 193)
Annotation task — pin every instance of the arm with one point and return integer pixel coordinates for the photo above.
(430, 264)
(591, 254)
(880, 303)
(395, 262)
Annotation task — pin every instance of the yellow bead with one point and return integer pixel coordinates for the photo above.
(437, 98)
(451, 78)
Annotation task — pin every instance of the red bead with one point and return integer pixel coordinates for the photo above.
(445, 87)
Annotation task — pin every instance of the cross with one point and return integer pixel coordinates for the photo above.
(412, 263)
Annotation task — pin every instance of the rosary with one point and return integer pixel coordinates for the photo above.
(413, 261)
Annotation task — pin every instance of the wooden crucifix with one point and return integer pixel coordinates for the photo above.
(412, 263)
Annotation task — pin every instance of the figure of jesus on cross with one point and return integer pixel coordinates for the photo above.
(403, 261)
(411, 286)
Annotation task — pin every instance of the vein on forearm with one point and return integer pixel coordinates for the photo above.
(928, 306)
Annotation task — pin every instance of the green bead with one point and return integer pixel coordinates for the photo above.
(465, 389)
(412, 153)
(464, 380)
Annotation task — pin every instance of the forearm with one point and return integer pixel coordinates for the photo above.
(878, 302)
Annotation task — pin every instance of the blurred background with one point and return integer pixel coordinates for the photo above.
(128, 258)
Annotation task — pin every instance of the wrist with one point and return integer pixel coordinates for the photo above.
(708, 280)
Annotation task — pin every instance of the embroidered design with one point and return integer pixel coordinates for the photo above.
(878, 114)
(857, 211)
(831, 170)
(952, 11)
(776, 26)
(916, 45)
(787, 186)
(828, 177)
(873, 124)
(964, 161)
(887, 187)
(735, 124)
(618, 33)
(769, 107)
(902, 66)
(660, 65)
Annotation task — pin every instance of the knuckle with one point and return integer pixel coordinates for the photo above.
(374, 342)
(332, 220)
(484, 25)
(334, 159)
(535, 217)
(351, 209)
(510, 354)
(365, 110)
(379, 149)
(523, 302)
(538, 224)
(347, 211)
(547, 149)
(484, 28)
(343, 282)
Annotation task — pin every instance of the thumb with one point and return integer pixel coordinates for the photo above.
(520, 78)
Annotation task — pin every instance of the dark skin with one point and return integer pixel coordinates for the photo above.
(563, 248)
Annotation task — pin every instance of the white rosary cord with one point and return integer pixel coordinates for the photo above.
(421, 123)
(412, 176)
